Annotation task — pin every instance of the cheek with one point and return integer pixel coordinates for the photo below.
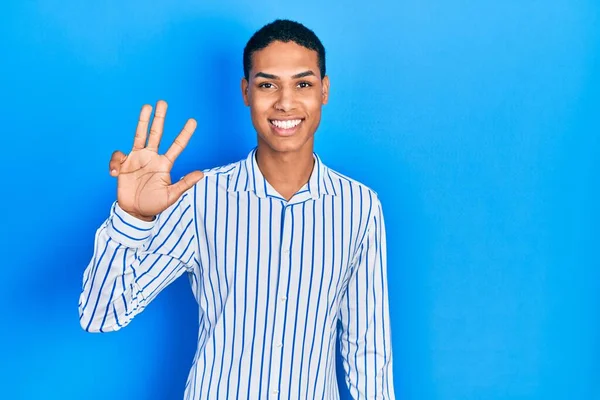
(260, 106)
(315, 101)
(313, 106)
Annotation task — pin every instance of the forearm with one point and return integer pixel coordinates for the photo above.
(133, 261)
(366, 346)
(110, 295)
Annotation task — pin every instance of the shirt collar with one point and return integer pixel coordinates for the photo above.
(248, 177)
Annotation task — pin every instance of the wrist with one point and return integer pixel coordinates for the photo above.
(130, 230)
(141, 217)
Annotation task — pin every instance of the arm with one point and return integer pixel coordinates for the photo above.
(365, 340)
(133, 261)
(148, 240)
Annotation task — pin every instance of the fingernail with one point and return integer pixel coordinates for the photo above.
(113, 171)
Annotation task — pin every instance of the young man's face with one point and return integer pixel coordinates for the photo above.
(285, 93)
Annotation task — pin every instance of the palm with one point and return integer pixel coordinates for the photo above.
(144, 186)
(143, 182)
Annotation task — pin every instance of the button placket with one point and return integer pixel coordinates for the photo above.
(284, 267)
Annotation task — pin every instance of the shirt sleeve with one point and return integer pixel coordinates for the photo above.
(365, 339)
(133, 261)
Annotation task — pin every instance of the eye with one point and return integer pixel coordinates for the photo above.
(304, 84)
(265, 85)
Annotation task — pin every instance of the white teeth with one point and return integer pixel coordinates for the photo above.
(286, 124)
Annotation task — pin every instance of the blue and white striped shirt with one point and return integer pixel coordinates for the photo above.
(272, 279)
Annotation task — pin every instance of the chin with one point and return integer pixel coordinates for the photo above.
(287, 145)
(284, 147)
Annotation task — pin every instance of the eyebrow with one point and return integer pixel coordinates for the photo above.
(275, 77)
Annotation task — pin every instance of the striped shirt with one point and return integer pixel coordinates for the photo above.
(273, 280)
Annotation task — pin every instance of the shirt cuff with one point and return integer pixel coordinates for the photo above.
(127, 229)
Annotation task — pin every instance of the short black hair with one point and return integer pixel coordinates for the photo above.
(283, 30)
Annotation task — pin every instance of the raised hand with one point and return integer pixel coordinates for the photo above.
(144, 186)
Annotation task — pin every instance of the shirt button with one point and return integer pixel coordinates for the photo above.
(279, 345)
(283, 298)
(275, 391)
(286, 251)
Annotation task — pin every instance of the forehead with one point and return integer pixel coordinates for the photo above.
(281, 58)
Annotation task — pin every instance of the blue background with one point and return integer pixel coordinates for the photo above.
(475, 121)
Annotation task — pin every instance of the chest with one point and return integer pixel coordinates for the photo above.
(259, 248)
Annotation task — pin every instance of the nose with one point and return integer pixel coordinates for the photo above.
(285, 101)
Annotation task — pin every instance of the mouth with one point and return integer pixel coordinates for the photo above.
(285, 127)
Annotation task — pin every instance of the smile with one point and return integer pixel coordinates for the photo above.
(285, 124)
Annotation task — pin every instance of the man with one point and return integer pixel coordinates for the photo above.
(278, 247)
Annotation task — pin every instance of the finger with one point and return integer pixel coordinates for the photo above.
(181, 140)
(156, 130)
(139, 142)
(114, 166)
(177, 189)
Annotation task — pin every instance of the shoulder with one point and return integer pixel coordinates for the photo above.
(221, 170)
(215, 179)
(346, 186)
(220, 174)
(357, 196)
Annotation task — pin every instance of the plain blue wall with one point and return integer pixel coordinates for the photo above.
(476, 122)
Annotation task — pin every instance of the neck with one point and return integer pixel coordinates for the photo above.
(287, 172)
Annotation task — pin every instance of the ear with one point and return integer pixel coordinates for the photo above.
(325, 89)
(244, 86)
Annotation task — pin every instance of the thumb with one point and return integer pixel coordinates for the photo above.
(177, 189)
(114, 166)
